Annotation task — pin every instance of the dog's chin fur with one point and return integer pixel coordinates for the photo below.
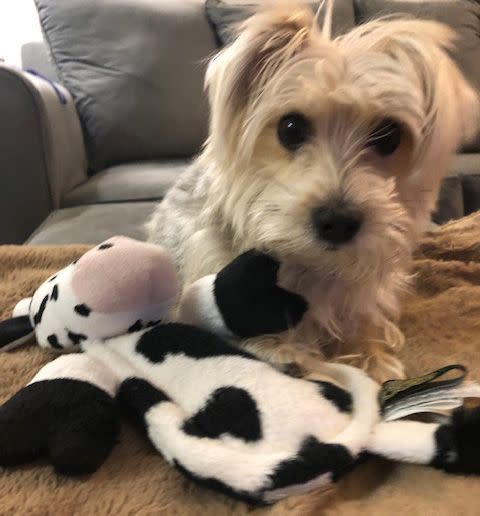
(247, 191)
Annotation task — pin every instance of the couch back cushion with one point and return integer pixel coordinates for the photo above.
(463, 16)
(135, 70)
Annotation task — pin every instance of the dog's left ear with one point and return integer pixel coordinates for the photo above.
(264, 43)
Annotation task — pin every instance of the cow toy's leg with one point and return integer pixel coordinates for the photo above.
(67, 413)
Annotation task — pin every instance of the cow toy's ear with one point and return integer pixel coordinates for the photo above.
(22, 307)
(15, 332)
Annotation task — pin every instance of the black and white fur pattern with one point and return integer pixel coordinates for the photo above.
(58, 325)
(62, 315)
(222, 417)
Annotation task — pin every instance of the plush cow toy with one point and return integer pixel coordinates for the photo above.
(224, 418)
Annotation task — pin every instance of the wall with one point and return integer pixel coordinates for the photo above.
(18, 24)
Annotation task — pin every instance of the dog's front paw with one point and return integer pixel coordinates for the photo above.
(249, 299)
(70, 422)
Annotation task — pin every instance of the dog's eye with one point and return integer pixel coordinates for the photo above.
(386, 137)
(293, 131)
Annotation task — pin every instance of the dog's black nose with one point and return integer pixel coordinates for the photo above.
(336, 224)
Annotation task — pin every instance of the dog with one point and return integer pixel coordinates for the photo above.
(327, 153)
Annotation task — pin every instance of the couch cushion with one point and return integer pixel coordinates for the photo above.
(135, 70)
(460, 192)
(462, 15)
(223, 15)
(131, 182)
(450, 204)
(465, 164)
(94, 223)
(457, 196)
(471, 193)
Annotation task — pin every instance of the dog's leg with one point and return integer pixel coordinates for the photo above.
(374, 349)
(368, 350)
(287, 355)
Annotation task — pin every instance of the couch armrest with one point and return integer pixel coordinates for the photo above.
(42, 155)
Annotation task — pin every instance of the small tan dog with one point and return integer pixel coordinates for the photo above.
(328, 154)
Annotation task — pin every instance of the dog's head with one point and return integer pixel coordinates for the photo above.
(329, 151)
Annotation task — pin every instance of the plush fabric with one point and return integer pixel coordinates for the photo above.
(441, 324)
(135, 70)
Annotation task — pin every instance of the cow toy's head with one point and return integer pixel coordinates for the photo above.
(122, 285)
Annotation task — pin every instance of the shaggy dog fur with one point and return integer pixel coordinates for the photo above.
(303, 125)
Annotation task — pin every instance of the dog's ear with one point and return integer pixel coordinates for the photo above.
(263, 44)
(469, 104)
(451, 106)
(450, 110)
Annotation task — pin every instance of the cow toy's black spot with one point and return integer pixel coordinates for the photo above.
(75, 261)
(457, 449)
(76, 338)
(104, 246)
(37, 319)
(339, 397)
(137, 397)
(136, 326)
(152, 323)
(249, 299)
(53, 341)
(54, 294)
(229, 410)
(175, 338)
(82, 310)
(313, 460)
(52, 278)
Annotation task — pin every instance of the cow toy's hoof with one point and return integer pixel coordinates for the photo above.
(70, 422)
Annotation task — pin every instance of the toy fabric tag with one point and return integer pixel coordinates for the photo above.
(427, 394)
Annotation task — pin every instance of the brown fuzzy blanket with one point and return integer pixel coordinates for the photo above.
(442, 324)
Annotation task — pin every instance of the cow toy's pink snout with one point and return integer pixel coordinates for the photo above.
(122, 274)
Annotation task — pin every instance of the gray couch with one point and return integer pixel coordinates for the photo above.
(90, 154)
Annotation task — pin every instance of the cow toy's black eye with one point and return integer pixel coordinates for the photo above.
(293, 131)
(386, 137)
